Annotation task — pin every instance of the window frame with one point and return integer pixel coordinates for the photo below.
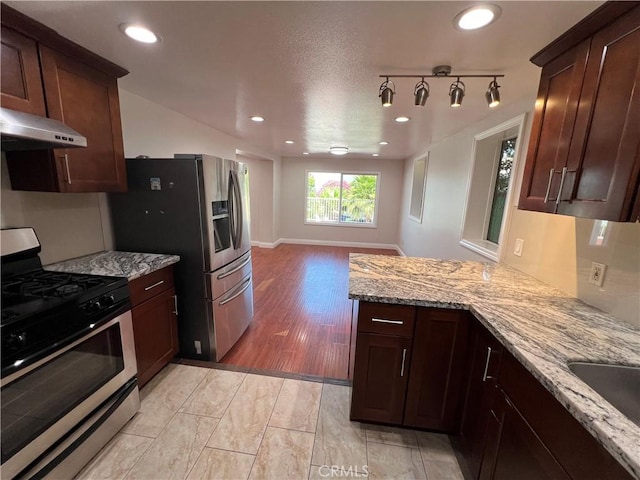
(340, 223)
(477, 242)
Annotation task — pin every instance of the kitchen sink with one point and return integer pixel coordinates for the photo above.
(618, 384)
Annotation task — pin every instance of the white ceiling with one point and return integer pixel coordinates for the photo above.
(311, 68)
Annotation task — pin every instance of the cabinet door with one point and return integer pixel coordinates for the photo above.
(605, 150)
(552, 129)
(155, 333)
(21, 85)
(86, 100)
(380, 378)
(481, 389)
(437, 374)
(513, 449)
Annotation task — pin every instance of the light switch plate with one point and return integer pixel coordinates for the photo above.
(517, 251)
(596, 276)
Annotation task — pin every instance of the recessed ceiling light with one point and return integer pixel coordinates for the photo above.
(402, 119)
(339, 150)
(257, 118)
(477, 17)
(305, 153)
(290, 142)
(375, 154)
(138, 33)
(383, 143)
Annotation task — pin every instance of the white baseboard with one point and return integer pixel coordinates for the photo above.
(266, 244)
(400, 252)
(332, 243)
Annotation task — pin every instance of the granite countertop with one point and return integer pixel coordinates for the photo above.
(115, 264)
(544, 328)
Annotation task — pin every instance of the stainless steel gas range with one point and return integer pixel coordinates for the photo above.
(68, 367)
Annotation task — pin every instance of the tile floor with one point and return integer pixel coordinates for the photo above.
(199, 423)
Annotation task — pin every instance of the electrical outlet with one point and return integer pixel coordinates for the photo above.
(517, 251)
(596, 276)
(198, 345)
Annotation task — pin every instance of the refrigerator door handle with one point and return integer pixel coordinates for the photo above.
(232, 210)
(235, 295)
(240, 209)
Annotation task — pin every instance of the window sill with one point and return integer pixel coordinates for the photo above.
(482, 247)
(343, 224)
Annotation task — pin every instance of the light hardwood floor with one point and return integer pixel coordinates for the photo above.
(302, 319)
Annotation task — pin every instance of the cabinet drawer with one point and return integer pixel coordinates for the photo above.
(150, 285)
(386, 319)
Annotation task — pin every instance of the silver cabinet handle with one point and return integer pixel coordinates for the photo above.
(175, 305)
(559, 197)
(486, 365)
(146, 289)
(546, 195)
(382, 320)
(404, 355)
(66, 165)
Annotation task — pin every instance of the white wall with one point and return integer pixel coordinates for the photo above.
(261, 199)
(293, 191)
(448, 169)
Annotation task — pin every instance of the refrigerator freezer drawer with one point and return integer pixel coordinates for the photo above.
(232, 314)
(224, 279)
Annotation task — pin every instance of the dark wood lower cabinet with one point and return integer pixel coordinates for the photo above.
(437, 369)
(484, 366)
(155, 330)
(380, 378)
(513, 450)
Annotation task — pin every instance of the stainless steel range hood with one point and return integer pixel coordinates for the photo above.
(23, 131)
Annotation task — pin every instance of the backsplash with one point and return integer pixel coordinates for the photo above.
(559, 251)
(67, 224)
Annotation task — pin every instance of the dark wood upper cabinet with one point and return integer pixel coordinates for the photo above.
(21, 85)
(438, 360)
(605, 151)
(80, 90)
(584, 155)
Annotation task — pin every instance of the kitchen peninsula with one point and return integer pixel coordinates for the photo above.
(538, 326)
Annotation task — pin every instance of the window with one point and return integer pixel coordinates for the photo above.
(341, 198)
(417, 189)
(494, 157)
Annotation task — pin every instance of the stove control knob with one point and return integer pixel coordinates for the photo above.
(94, 306)
(108, 301)
(16, 341)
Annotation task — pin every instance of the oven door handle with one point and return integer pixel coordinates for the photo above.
(79, 436)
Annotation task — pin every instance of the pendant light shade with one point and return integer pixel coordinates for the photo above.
(386, 93)
(493, 94)
(421, 93)
(456, 93)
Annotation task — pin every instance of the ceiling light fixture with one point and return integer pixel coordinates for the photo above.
(138, 33)
(402, 119)
(456, 93)
(477, 17)
(375, 154)
(305, 153)
(339, 150)
(257, 118)
(421, 93)
(386, 93)
(289, 142)
(493, 94)
(383, 143)
(457, 90)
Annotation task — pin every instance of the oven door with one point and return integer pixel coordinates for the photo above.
(46, 400)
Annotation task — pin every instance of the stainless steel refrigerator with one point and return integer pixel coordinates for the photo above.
(195, 206)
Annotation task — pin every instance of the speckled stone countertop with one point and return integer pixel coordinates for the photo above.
(115, 264)
(544, 328)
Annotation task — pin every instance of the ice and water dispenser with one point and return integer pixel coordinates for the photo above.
(221, 232)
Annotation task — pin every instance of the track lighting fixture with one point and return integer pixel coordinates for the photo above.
(421, 93)
(457, 90)
(493, 94)
(386, 92)
(456, 93)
